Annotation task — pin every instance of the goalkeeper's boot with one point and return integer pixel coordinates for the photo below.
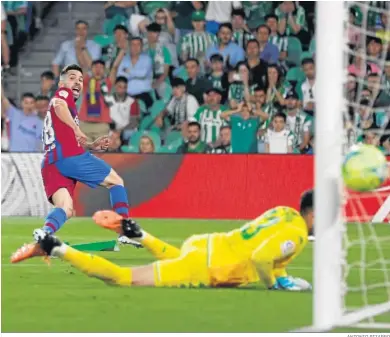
(127, 229)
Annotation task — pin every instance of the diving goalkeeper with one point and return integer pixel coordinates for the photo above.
(260, 250)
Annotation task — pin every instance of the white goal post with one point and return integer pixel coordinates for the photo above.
(329, 251)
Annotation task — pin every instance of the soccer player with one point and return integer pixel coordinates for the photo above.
(260, 250)
(66, 162)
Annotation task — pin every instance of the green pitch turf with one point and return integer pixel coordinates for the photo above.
(38, 298)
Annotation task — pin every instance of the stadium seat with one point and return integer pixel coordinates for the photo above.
(306, 55)
(172, 137)
(104, 40)
(134, 141)
(295, 75)
(181, 72)
(129, 149)
(312, 47)
(294, 50)
(109, 24)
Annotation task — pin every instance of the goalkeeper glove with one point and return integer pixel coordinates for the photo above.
(291, 284)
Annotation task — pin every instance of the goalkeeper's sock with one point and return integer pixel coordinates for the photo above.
(119, 201)
(54, 220)
(160, 249)
(94, 266)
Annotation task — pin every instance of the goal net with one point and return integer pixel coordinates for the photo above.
(352, 248)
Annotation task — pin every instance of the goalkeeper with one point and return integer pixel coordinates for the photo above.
(260, 250)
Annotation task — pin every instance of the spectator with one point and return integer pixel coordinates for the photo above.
(351, 88)
(379, 96)
(231, 52)
(196, 84)
(150, 7)
(268, 51)
(386, 76)
(367, 118)
(278, 139)
(256, 11)
(292, 21)
(123, 8)
(223, 143)
(354, 35)
(24, 125)
(372, 137)
(16, 14)
(168, 34)
(194, 144)
(138, 70)
(79, 51)
(115, 141)
(209, 116)
(382, 32)
(146, 145)
(48, 84)
(240, 89)
(121, 36)
(277, 89)
(196, 43)
(244, 126)
(280, 41)
(241, 32)
(306, 90)
(257, 67)
(361, 67)
(374, 50)
(42, 106)
(298, 122)
(219, 12)
(124, 110)
(94, 113)
(161, 60)
(218, 77)
(182, 12)
(261, 108)
(181, 108)
(5, 56)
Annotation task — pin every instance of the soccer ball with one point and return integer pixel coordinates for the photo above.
(364, 168)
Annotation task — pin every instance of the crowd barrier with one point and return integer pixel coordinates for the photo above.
(176, 186)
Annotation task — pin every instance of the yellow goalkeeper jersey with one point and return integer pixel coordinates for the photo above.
(261, 249)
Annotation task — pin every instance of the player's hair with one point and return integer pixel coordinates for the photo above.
(238, 12)
(281, 115)
(263, 26)
(270, 16)
(121, 79)
(191, 59)
(42, 98)
(195, 123)
(253, 41)
(28, 95)
(225, 25)
(307, 60)
(78, 22)
(69, 68)
(48, 75)
(307, 202)
(99, 62)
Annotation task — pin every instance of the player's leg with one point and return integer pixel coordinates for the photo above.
(130, 229)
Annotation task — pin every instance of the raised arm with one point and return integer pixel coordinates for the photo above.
(5, 104)
(115, 66)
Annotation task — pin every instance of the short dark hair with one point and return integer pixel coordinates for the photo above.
(238, 12)
(191, 59)
(48, 75)
(263, 26)
(281, 115)
(307, 202)
(373, 75)
(99, 62)
(253, 41)
(28, 95)
(137, 38)
(271, 16)
(153, 27)
(216, 57)
(79, 22)
(307, 60)
(42, 98)
(121, 79)
(225, 127)
(260, 88)
(69, 68)
(226, 25)
(194, 123)
(121, 27)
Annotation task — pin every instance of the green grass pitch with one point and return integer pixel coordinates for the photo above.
(38, 298)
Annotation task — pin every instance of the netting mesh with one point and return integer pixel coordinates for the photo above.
(366, 120)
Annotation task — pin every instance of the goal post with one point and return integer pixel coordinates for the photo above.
(352, 247)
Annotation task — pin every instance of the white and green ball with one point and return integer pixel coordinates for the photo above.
(364, 168)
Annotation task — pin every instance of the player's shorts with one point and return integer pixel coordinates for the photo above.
(85, 168)
(53, 180)
(205, 260)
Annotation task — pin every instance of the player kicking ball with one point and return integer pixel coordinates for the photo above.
(260, 250)
(67, 162)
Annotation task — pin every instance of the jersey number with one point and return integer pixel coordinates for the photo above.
(48, 132)
(249, 231)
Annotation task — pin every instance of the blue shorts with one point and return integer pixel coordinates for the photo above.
(85, 168)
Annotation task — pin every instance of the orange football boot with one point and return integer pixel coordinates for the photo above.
(27, 251)
(109, 220)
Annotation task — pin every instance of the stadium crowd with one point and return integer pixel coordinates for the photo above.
(207, 77)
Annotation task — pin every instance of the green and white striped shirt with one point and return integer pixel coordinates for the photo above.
(279, 41)
(210, 121)
(194, 45)
(241, 37)
(299, 16)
